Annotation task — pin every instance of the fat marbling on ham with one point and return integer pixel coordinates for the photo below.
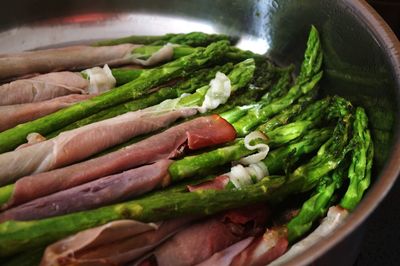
(42, 87)
(78, 144)
(12, 115)
(195, 134)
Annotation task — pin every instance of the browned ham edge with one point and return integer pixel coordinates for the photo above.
(197, 133)
(12, 115)
(201, 240)
(94, 194)
(114, 243)
(42, 87)
(68, 58)
(78, 144)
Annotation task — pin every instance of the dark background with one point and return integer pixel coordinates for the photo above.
(381, 245)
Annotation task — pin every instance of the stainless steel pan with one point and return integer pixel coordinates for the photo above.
(362, 61)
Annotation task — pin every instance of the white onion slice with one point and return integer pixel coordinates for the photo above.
(218, 93)
(100, 79)
(262, 148)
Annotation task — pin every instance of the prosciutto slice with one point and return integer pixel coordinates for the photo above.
(115, 243)
(263, 249)
(12, 115)
(42, 87)
(78, 144)
(74, 58)
(93, 194)
(197, 133)
(225, 257)
(201, 240)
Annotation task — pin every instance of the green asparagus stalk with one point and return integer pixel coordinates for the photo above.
(281, 87)
(329, 156)
(123, 76)
(263, 81)
(196, 80)
(13, 137)
(193, 39)
(315, 207)
(276, 159)
(20, 236)
(361, 162)
(309, 76)
(256, 116)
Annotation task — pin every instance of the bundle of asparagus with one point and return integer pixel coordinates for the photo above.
(281, 139)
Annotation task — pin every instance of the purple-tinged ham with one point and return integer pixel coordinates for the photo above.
(115, 243)
(94, 194)
(195, 134)
(42, 87)
(78, 144)
(200, 241)
(12, 115)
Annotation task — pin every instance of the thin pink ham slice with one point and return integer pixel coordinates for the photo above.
(68, 58)
(201, 240)
(263, 249)
(225, 257)
(78, 144)
(42, 87)
(12, 115)
(197, 133)
(94, 194)
(251, 251)
(115, 243)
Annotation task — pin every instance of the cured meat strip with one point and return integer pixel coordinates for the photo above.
(78, 144)
(225, 257)
(12, 115)
(201, 240)
(114, 243)
(263, 249)
(93, 194)
(72, 58)
(251, 251)
(42, 87)
(197, 133)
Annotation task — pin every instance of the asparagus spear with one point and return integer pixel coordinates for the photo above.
(11, 138)
(19, 236)
(309, 76)
(277, 159)
(361, 162)
(193, 39)
(196, 80)
(316, 206)
(329, 156)
(265, 75)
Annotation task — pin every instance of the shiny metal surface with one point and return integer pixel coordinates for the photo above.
(362, 59)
